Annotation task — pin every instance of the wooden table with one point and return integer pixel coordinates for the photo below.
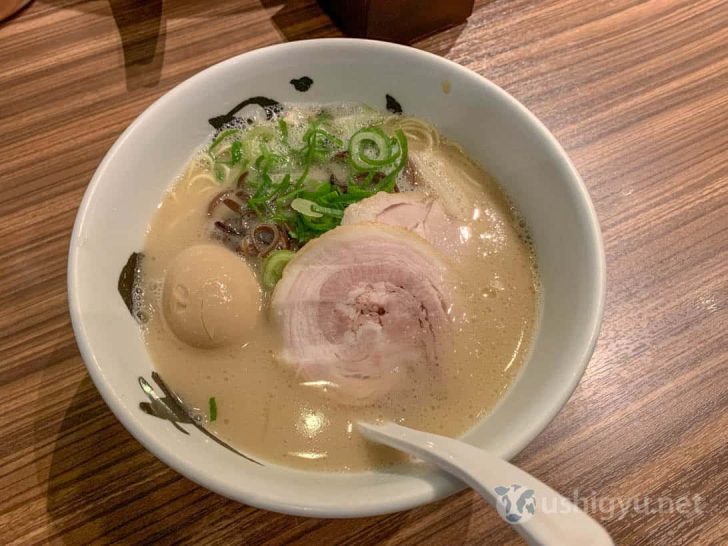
(637, 92)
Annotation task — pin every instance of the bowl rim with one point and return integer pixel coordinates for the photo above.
(262, 499)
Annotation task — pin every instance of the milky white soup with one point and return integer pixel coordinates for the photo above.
(330, 265)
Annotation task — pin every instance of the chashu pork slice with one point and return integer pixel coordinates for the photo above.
(413, 210)
(363, 309)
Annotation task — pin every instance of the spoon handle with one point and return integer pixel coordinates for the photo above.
(537, 512)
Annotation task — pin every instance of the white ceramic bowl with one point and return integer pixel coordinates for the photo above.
(492, 127)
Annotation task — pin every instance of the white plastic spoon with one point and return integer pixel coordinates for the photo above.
(537, 512)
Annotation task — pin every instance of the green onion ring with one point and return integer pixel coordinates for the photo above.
(273, 266)
(386, 152)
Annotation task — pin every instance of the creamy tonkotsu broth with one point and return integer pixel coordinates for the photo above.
(419, 308)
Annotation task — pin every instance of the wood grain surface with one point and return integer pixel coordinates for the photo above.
(636, 91)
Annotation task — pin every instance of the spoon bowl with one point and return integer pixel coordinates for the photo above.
(539, 513)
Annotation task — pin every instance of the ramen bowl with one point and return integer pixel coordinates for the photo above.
(493, 128)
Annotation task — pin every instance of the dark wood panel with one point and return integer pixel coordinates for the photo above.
(636, 91)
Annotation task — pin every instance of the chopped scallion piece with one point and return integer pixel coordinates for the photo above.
(283, 126)
(235, 152)
(219, 173)
(327, 210)
(273, 266)
(219, 138)
(305, 207)
(371, 148)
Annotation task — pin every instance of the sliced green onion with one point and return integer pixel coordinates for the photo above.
(261, 194)
(318, 144)
(263, 134)
(219, 138)
(219, 173)
(235, 152)
(213, 409)
(389, 181)
(321, 190)
(333, 141)
(305, 207)
(385, 153)
(283, 126)
(280, 187)
(327, 210)
(283, 199)
(273, 266)
(320, 225)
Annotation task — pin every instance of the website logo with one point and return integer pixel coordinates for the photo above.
(516, 504)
